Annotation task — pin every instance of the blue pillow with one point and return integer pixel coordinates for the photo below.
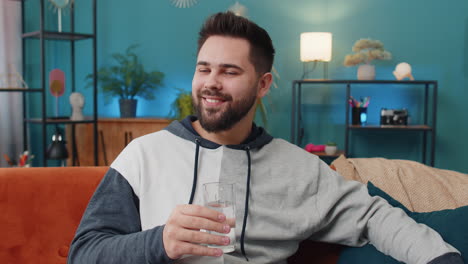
(451, 224)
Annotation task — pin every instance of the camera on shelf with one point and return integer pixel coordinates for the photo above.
(393, 116)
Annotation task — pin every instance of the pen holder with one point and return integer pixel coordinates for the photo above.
(359, 115)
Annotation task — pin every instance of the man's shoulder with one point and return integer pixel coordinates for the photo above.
(281, 147)
(154, 137)
(151, 142)
(286, 145)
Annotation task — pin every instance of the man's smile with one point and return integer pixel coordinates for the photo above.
(213, 101)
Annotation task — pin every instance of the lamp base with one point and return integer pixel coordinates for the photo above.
(305, 72)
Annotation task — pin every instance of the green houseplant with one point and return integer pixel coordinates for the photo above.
(127, 80)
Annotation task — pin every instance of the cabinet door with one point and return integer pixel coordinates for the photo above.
(113, 135)
(111, 140)
(84, 145)
(141, 127)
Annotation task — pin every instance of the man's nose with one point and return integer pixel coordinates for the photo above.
(212, 81)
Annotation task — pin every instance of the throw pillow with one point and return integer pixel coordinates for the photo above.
(450, 224)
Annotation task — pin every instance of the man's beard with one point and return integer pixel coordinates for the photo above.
(216, 120)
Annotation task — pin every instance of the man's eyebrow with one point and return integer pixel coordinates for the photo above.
(223, 65)
(228, 65)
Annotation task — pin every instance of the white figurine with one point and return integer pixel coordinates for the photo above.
(403, 70)
(77, 102)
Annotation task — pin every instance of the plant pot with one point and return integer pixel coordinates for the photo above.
(127, 107)
(366, 72)
(330, 150)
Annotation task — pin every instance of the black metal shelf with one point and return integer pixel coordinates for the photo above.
(42, 36)
(324, 155)
(427, 126)
(22, 90)
(392, 127)
(323, 81)
(52, 35)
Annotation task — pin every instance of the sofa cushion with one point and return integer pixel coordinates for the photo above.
(451, 225)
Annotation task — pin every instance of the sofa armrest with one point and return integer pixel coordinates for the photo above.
(41, 209)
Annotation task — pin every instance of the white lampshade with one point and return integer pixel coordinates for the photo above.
(316, 46)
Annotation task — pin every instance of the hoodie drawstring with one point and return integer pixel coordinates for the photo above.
(195, 171)
(247, 192)
(246, 211)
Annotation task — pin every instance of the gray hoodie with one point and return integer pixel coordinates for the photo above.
(283, 195)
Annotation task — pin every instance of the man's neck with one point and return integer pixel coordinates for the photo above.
(234, 136)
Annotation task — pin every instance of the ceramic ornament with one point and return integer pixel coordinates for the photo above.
(183, 3)
(58, 6)
(57, 82)
(12, 79)
(56, 85)
(77, 102)
(403, 70)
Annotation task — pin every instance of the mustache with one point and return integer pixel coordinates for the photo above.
(216, 93)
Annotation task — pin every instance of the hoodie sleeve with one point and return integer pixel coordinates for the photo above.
(110, 230)
(350, 216)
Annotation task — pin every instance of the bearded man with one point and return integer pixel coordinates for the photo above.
(149, 206)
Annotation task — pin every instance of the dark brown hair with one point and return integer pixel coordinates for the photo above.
(228, 24)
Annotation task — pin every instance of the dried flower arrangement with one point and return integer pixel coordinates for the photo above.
(367, 50)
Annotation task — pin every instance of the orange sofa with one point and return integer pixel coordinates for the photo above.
(42, 207)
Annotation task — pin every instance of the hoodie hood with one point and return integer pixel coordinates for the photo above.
(257, 138)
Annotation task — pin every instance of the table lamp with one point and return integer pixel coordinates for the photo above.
(315, 47)
(57, 149)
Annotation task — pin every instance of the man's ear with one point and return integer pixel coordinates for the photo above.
(264, 84)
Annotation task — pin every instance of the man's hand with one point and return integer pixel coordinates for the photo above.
(182, 231)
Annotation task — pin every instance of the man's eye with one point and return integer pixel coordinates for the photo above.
(203, 70)
(231, 73)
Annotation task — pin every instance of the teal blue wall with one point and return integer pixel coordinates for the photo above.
(430, 35)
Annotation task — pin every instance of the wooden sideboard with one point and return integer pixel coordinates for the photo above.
(113, 135)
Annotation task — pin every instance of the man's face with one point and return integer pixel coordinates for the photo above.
(225, 84)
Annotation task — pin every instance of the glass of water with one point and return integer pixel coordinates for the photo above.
(220, 197)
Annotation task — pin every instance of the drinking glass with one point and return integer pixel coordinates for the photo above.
(220, 197)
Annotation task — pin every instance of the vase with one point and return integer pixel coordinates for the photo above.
(127, 107)
(366, 72)
(330, 150)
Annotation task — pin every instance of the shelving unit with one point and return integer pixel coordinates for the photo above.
(44, 36)
(428, 125)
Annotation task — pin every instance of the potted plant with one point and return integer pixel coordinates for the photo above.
(127, 80)
(331, 148)
(366, 50)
